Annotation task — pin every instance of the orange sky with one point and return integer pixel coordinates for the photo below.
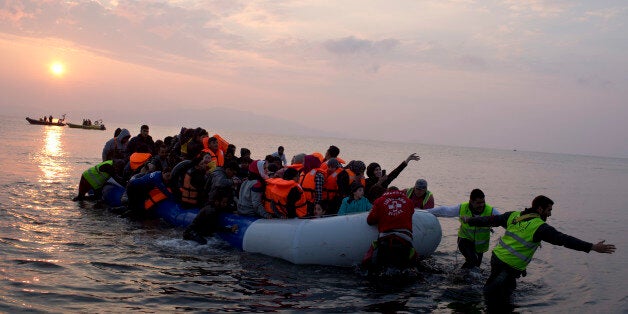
(536, 75)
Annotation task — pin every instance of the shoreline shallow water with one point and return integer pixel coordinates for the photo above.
(62, 256)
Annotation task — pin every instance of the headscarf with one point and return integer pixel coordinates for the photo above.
(310, 162)
(357, 166)
(256, 167)
(370, 170)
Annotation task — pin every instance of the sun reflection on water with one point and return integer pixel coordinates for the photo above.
(50, 158)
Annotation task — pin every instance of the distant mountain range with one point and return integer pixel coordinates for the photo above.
(215, 118)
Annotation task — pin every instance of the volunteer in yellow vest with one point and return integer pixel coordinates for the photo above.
(524, 232)
(420, 196)
(94, 179)
(472, 241)
(283, 197)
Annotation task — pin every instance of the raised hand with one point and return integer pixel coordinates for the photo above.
(413, 156)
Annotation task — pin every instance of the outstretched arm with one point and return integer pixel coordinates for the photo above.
(549, 234)
(600, 247)
(445, 211)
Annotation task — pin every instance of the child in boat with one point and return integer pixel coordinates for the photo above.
(356, 203)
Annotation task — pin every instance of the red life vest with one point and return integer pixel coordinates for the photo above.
(276, 197)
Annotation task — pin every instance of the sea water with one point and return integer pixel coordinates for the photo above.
(61, 256)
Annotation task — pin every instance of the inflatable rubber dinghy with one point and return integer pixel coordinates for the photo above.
(335, 241)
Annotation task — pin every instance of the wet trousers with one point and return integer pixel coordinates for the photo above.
(471, 257)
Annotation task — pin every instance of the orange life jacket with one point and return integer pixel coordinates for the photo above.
(137, 160)
(319, 156)
(276, 197)
(324, 164)
(308, 184)
(222, 143)
(154, 196)
(189, 194)
(352, 177)
(296, 167)
(218, 158)
(330, 189)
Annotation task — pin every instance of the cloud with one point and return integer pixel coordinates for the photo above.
(366, 55)
(352, 46)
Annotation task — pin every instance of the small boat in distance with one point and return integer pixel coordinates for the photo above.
(87, 124)
(47, 121)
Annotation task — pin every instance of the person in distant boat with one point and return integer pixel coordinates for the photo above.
(115, 148)
(252, 191)
(378, 181)
(392, 214)
(353, 171)
(524, 232)
(357, 203)
(280, 153)
(420, 196)
(472, 241)
(50, 119)
(94, 178)
(141, 140)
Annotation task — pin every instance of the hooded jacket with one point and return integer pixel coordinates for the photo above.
(252, 192)
(114, 149)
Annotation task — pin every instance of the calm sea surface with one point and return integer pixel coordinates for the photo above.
(60, 256)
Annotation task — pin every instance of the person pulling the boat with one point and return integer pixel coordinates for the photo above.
(94, 178)
(420, 196)
(524, 232)
(392, 213)
(472, 241)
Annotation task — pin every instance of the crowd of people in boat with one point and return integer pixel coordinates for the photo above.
(192, 166)
(202, 171)
(49, 119)
(88, 122)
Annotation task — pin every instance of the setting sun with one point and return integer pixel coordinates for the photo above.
(57, 68)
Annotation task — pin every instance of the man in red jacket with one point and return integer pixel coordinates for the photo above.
(392, 213)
